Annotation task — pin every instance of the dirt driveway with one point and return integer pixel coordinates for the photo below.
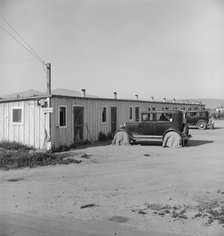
(133, 190)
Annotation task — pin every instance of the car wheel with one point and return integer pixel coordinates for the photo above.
(202, 125)
(121, 138)
(172, 139)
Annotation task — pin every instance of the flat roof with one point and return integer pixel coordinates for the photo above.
(93, 98)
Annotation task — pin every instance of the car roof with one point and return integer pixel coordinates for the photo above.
(162, 111)
(196, 111)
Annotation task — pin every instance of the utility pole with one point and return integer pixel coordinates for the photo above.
(48, 66)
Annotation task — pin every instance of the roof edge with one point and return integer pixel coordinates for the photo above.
(92, 98)
(24, 98)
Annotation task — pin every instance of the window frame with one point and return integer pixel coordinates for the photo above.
(137, 108)
(130, 112)
(22, 116)
(62, 126)
(104, 108)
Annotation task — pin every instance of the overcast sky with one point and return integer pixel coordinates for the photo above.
(160, 48)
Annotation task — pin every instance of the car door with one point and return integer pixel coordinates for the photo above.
(148, 125)
(191, 118)
(145, 127)
(162, 125)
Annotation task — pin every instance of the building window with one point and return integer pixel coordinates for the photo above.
(136, 113)
(62, 116)
(104, 114)
(130, 113)
(17, 115)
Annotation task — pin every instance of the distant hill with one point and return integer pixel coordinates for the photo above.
(67, 92)
(24, 94)
(72, 93)
(62, 92)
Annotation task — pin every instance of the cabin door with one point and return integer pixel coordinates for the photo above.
(78, 124)
(113, 119)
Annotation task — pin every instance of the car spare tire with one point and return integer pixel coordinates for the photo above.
(202, 124)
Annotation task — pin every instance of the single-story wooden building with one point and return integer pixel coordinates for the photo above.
(53, 120)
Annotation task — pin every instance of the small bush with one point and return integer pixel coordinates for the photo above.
(14, 160)
(64, 148)
(102, 136)
(61, 148)
(7, 145)
(109, 136)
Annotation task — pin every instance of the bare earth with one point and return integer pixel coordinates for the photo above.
(133, 190)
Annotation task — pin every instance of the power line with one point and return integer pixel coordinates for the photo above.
(19, 35)
(21, 44)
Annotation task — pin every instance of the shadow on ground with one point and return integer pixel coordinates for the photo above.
(194, 143)
(218, 128)
(196, 128)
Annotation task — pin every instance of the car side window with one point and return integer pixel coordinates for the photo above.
(147, 117)
(164, 117)
(169, 116)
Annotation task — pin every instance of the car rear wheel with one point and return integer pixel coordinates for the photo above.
(172, 139)
(202, 125)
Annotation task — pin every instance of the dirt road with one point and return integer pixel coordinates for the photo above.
(134, 190)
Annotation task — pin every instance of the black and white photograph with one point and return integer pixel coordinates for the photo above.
(112, 118)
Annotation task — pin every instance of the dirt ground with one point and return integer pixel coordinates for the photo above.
(121, 190)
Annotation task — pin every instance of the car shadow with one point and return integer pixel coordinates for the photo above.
(195, 143)
(218, 128)
(196, 128)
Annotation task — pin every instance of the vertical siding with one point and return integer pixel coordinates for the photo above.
(36, 123)
(92, 117)
(27, 121)
(30, 131)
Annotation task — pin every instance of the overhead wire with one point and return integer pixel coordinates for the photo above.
(27, 47)
(20, 36)
(20, 43)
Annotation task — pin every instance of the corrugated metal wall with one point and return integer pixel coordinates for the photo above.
(30, 131)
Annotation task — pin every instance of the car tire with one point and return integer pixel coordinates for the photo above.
(121, 138)
(172, 139)
(202, 125)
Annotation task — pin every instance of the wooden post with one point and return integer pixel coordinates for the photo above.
(48, 66)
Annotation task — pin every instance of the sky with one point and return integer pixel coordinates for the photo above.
(159, 48)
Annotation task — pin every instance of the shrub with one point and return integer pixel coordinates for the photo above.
(14, 160)
(64, 148)
(102, 136)
(7, 145)
(109, 136)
